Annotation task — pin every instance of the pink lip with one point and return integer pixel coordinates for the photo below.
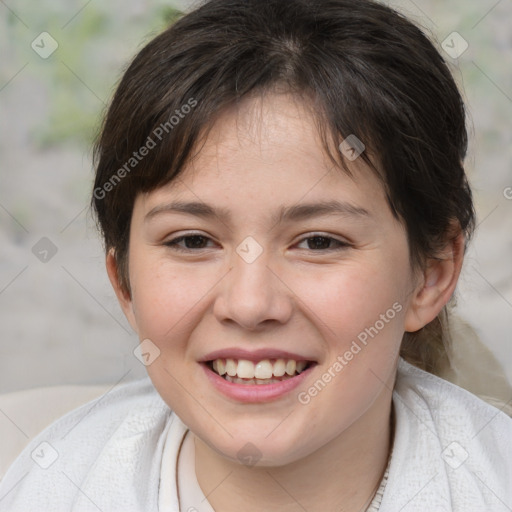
(255, 392)
(254, 355)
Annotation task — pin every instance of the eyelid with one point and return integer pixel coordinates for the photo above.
(342, 244)
(173, 242)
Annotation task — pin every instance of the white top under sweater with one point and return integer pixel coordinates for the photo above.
(190, 495)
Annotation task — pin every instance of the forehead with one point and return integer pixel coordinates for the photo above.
(266, 150)
(263, 130)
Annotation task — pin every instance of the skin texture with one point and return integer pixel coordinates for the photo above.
(330, 453)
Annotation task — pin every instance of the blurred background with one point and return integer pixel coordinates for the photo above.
(59, 319)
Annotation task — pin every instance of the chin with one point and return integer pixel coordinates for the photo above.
(249, 447)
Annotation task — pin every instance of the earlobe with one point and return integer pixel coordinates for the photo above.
(437, 285)
(123, 296)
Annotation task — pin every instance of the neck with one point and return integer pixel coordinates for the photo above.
(343, 475)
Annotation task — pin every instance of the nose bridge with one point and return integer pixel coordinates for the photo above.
(251, 293)
(251, 276)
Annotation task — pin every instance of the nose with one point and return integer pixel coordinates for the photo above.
(253, 295)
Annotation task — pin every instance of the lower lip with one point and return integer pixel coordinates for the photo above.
(255, 392)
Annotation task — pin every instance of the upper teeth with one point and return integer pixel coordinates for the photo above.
(264, 369)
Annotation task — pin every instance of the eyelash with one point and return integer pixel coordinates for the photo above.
(173, 244)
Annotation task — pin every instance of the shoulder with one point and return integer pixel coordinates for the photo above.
(137, 398)
(121, 423)
(450, 444)
(445, 400)
(451, 411)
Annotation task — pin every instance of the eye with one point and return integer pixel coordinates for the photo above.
(323, 243)
(192, 242)
(197, 242)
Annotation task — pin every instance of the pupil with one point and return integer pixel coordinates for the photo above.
(194, 245)
(316, 245)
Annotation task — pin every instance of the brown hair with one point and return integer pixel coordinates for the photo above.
(366, 70)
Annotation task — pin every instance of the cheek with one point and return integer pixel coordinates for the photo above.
(349, 300)
(361, 322)
(169, 299)
(362, 314)
(165, 297)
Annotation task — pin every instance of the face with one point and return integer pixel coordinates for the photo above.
(266, 285)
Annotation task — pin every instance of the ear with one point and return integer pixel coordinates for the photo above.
(437, 285)
(123, 296)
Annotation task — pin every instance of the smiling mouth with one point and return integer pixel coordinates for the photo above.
(266, 371)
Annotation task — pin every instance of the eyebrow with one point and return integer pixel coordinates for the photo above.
(284, 214)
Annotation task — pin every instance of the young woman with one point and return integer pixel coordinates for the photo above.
(281, 191)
